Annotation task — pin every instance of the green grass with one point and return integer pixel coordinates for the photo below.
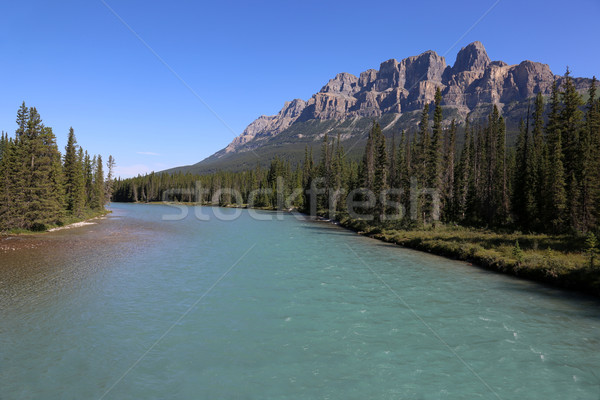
(67, 220)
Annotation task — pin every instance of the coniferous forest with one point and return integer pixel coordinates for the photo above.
(548, 182)
(39, 187)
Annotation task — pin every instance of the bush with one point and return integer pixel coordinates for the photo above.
(518, 253)
(38, 227)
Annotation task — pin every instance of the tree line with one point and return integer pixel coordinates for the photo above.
(39, 187)
(548, 182)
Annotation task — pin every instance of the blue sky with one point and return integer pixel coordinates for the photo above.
(82, 67)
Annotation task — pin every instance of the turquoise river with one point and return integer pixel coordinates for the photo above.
(146, 304)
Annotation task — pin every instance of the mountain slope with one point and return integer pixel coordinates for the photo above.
(394, 95)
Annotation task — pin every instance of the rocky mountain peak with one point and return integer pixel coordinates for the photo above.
(402, 87)
(472, 57)
(343, 83)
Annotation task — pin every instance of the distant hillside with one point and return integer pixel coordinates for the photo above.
(394, 95)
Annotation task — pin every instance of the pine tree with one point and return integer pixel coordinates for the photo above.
(573, 202)
(570, 124)
(521, 188)
(590, 162)
(449, 172)
(74, 178)
(368, 164)
(22, 120)
(393, 175)
(424, 146)
(501, 190)
(109, 187)
(381, 170)
(6, 196)
(436, 155)
(557, 202)
(42, 201)
(570, 127)
(340, 174)
(539, 162)
(463, 174)
(591, 248)
(98, 198)
(87, 166)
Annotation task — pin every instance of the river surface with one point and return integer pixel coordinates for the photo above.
(139, 307)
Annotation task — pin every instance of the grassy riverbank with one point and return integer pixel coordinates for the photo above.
(559, 260)
(64, 222)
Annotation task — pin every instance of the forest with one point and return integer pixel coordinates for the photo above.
(39, 187)
(549, 182)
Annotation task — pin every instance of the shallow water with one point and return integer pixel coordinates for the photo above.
(137, 307)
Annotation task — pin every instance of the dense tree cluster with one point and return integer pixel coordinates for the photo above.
(38, 186)
(549, 181)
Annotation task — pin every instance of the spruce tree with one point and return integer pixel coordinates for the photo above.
(368, 163)
(521, 188)
(74, 179)
(449, 172)
(539, 161)
(557, 202)
(110, 165)
(98, 198)
(87, 168)
(436, 155)
(501, 190)
(590, 161)
(381, 170)
(424, 147)
(463, 174)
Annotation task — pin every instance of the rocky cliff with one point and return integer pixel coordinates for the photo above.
(399, 88)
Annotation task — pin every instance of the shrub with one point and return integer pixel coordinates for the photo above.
(591, 246)
(38, 227)
(518, 253)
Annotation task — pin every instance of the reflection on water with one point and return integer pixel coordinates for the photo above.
(35, 266)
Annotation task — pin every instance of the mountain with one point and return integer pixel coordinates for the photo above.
(394, 95)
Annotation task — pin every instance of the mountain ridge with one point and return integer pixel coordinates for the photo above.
(397, 89)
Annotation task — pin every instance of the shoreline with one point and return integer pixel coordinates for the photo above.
(54, 228)
(555, 268)
(77, 224)
(579, 279)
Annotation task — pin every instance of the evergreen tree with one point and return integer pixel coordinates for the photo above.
(368, 164)
(501, 191)
(521, 188)
(463, 174)
(424, 146)
(590, 161)
(381, 170)
(87, 167)
(557, 204)
(74, 178)
(538, 162)
(436, 154)
(570, 124)
(97, 202)
(449, 172)
(110, 165)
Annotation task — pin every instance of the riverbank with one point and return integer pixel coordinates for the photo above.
(67, 223)
(557, 260)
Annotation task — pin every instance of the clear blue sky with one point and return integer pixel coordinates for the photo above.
(81, 66)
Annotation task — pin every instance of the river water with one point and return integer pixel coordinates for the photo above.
(146, 305)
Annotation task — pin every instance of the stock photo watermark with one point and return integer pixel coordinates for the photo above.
(388, 204)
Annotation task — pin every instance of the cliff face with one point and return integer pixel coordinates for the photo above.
(402, 86)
